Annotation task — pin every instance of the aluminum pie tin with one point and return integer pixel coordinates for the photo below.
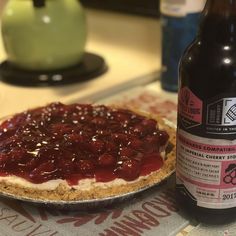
(90, 204)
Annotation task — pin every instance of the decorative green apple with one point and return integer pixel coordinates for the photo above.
(44, 34)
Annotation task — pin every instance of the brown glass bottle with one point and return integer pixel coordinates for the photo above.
(206, 137)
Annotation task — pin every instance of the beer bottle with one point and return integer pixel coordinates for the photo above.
(206, 136)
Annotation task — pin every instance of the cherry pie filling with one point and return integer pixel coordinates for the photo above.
(74, 142)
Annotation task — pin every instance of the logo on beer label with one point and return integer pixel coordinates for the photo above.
(222, 112)
(190, 108)
(230, 174)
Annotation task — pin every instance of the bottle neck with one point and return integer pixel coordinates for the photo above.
(218, 22)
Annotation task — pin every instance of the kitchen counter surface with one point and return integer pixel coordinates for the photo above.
(130, 46)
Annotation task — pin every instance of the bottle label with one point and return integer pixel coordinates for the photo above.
(206, 151)
(190, 108)
(180, 8)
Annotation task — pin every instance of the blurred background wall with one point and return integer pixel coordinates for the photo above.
(2, 3)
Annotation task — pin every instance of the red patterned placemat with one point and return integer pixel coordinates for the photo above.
(151, 213)
(148, 100)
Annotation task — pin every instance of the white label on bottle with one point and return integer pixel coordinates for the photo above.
(207, 169)
(180, 8)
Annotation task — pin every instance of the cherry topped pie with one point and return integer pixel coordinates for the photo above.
(83, 151)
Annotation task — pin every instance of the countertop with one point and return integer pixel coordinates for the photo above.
(130, 46)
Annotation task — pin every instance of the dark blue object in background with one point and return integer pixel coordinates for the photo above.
(177, 34)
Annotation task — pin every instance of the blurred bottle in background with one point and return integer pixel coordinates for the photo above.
(179, 20)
